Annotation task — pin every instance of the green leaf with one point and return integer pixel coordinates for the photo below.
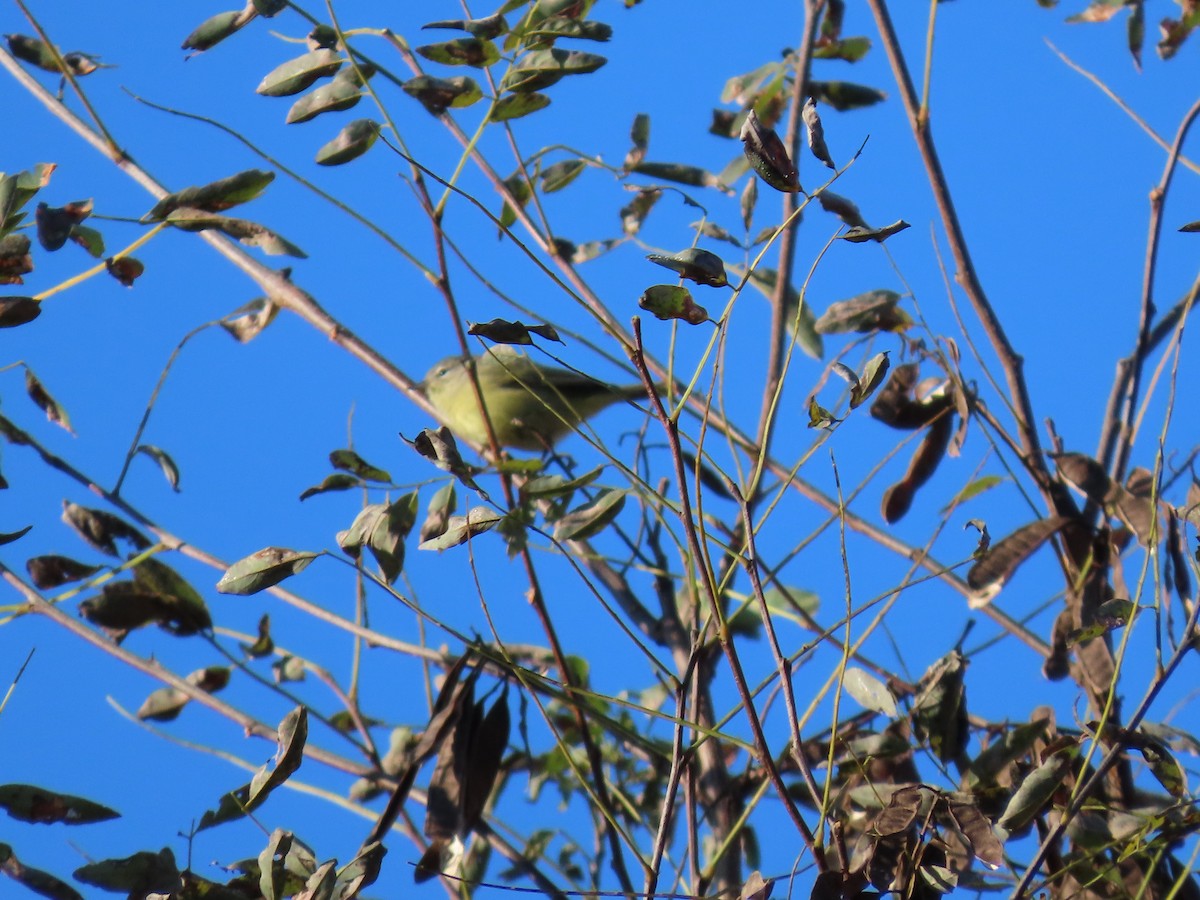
(336, 481)
(974, 489)
(590, 519)
(437, 514)
(1036, 791)
(842, 95)
(350, 143)
(546, 487)
(264, 569)
(850, 49)
(768, 156)
(460, 529)
(540, 69)
(514, 106)
(215, 29)
(340, 94)
(251, 234)
(139, 874)
(869, 692)
(565, 27)
(681, 174)
(349, 461)
(28, 803)
(299, 74)
(470, 51)
(382, 528)
(439, 94)
(485, 28)
(634, 213)
(672, 301)
(39, 882)
(216, 196)
(694, 264)
(165, 704)
(874, 372)
(561, 174)
(169, 469)
(89, 239)
(860, 235)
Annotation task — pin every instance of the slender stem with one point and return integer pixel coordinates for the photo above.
(780, 311)
(1116, 439)
(965, 273)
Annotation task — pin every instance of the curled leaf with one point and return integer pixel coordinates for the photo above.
(816, 133)
(768, 156)
(1002, 560)
(694, 264)
(672, 301)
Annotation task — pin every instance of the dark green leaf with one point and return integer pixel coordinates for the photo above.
(216, 196)
(485, 28)
(336, 481)
(561, 174)
(842, 95)
(503, 331)
(300, 73)
(169, 469)
(139, 874)
(16, 311)
(590, 519)
(349, 461)
(350, 143)
(540, 69)
(672, 301)
(768, 156)
(28, 803)
(470, 51)
(215, 29)
(514, 106)
(51, 571)
(439, 94)
(694, 264)
(860, 235)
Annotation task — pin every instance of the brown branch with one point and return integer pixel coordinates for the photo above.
(707, 585)
(787, 239)
(1117, 436)
(1011, 362)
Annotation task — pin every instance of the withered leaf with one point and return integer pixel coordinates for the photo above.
(1003, 558)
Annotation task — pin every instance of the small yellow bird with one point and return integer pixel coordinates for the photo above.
(531, 406)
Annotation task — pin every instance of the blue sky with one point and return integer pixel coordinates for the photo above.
(1050, 179)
